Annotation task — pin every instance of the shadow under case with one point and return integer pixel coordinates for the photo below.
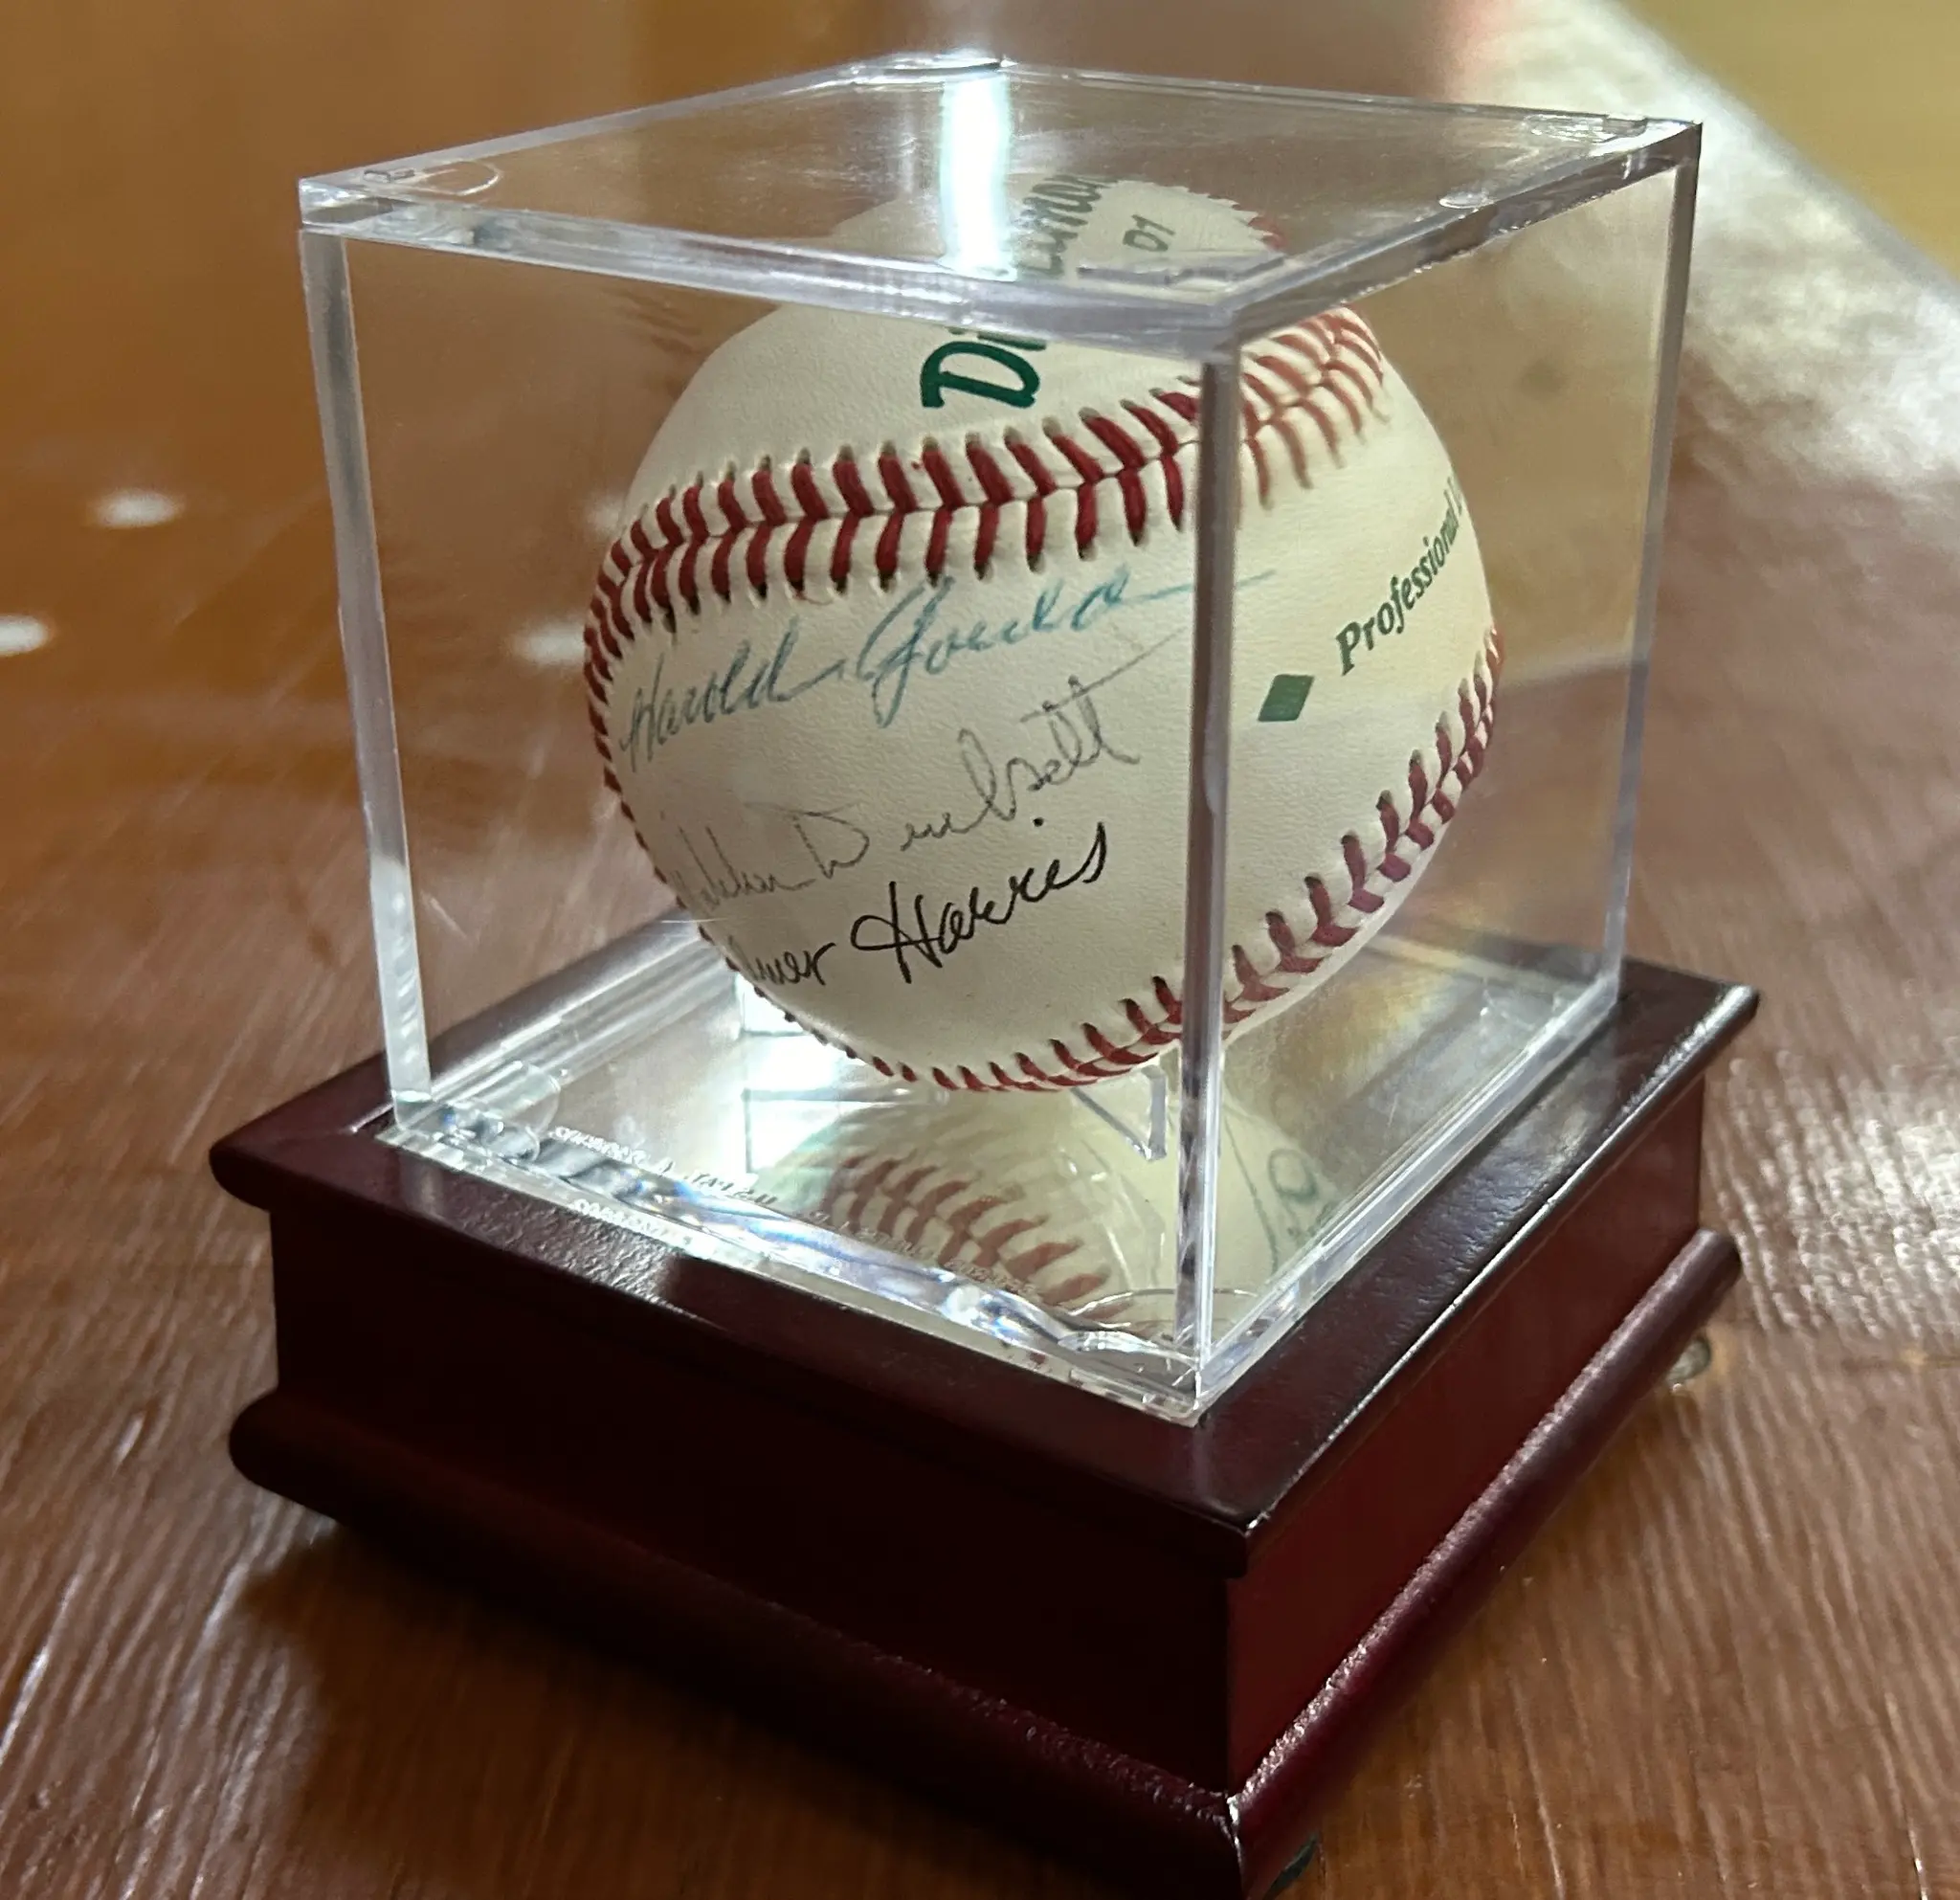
(1134, 621)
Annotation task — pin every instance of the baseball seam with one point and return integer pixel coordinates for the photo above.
(1287, 957)
(734, 533)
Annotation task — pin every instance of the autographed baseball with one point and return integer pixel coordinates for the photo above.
(891, 666)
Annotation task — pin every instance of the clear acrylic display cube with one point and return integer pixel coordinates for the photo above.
(1139, 632)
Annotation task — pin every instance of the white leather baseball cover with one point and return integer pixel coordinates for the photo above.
(891, 666)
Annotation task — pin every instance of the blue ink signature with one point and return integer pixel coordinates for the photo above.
(909, 640)
(919, 636)
(660, 713)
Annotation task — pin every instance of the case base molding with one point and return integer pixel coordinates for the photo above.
(1156, 1647)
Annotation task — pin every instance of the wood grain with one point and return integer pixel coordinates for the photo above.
(1868, 91)
(1729, 1668)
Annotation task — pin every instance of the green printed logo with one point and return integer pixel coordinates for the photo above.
(936, 375)
(1285, 698)
(1047, 223)
(1405, 590)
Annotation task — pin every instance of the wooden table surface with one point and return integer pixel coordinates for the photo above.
(1732, 1665)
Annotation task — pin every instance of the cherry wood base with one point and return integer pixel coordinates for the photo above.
(1157, 1646)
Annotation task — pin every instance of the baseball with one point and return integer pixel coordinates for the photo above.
(890, 668)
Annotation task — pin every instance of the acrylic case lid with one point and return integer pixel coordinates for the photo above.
(739, 191)
(548, 1027)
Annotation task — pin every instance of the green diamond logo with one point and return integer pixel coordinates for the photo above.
(1286, 697)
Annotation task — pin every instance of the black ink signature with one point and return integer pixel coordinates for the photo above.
(831, 841)
(786, 969)
(1076, 740)
(884, 931)
(811, 845)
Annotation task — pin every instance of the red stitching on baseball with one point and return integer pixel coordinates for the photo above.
(803, 485)
(989, 473)
(892, 472)
(840, 551)
(1279, 934)
(851, 486)
(1337, 361)
(939, 471)
(886, 558)
(1166, 438)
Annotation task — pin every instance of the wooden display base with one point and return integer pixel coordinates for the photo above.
(1155, 1646)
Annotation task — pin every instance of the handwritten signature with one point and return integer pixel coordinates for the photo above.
(795, 850)
(787, 967)
(918, 637)
(959, 923)
(750, 680)
(909, 640)
(1075, 740)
